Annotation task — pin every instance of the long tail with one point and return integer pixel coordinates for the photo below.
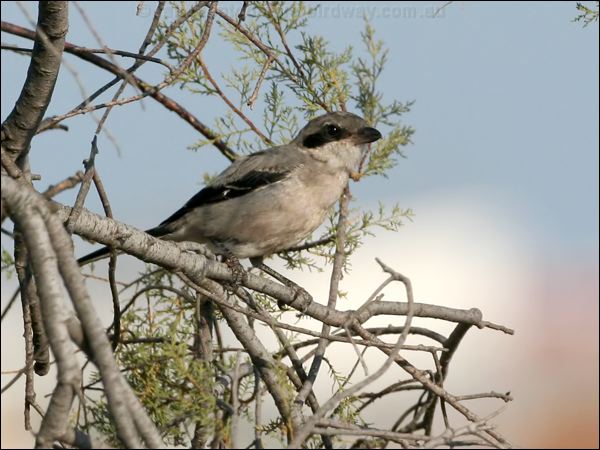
(104, 252)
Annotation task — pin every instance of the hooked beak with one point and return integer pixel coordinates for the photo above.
(366, 135)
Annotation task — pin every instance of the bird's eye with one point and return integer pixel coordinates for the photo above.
(333, 130)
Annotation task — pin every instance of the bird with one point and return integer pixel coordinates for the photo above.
(269, 201)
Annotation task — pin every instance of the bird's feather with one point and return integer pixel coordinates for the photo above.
(250, 182)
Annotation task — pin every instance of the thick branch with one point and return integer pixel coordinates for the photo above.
(173, 256)
(22, 123)
(44, 265)
(130, 418)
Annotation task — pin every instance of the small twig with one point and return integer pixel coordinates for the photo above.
(242, 14)
(152, 91)
(281, 34)
(53, 126)
(308, 245)
(440, 381)
(16, 49)
(441, 8)
(230, 104)
(85, 187)
(258, 417)
(7, 233)
(235, 403)
(449, 434)
(358, 353)
(336, 276)
(112, 263)
(506, 397)
(359, 360)
(403, 385)
(67, 183)
(18, 375)
(106, 280)
(130, 79)
(451, 344)
(100, 51)
(259, 82)
(153, 26)
(58, 53)
(135, 66)
(493, 326)
(10, 303)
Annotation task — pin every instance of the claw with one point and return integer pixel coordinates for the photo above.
(237, 271)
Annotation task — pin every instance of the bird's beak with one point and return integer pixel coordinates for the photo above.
(366, 135)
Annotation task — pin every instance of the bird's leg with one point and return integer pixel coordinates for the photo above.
(232, 261)
(237, 270)
(299, 290)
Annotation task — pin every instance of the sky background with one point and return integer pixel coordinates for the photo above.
(502, 176)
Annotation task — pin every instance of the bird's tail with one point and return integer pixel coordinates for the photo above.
(104, 252)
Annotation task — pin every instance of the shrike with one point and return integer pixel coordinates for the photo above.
(270, 200)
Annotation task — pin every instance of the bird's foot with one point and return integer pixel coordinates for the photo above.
(237, 271)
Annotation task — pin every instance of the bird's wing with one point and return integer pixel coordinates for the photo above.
(243, 176)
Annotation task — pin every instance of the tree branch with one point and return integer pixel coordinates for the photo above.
(147, 90)
(22, 123)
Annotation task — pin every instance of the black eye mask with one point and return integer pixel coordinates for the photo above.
(329, 133)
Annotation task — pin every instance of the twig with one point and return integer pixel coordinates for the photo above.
(259, 82)
(106, 280)
(258, 417)
(235, 402)
(18, 375)
(234, 108)
(506, 397)
(336, 276)
(153, 26)
(10, 303)
(441, 8)
(85, 186)
(153, 92)
(130, 79)
(106, 50)
(112, 263)
(67, 183)
(242, 14)
(439, 378)
(19, 127)
(45, 37)
(281, 34)
(451, 344)
(308, 426)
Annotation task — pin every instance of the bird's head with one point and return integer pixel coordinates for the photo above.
(337, 138)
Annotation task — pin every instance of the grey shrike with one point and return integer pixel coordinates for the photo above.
(270, 200)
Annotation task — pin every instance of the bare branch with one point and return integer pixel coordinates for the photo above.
(22, 123)
(147, 90)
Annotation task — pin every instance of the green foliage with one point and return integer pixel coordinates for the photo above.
(586, 14)
(306, 78)
(176, 388)
(278, 118)
(8, 264)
